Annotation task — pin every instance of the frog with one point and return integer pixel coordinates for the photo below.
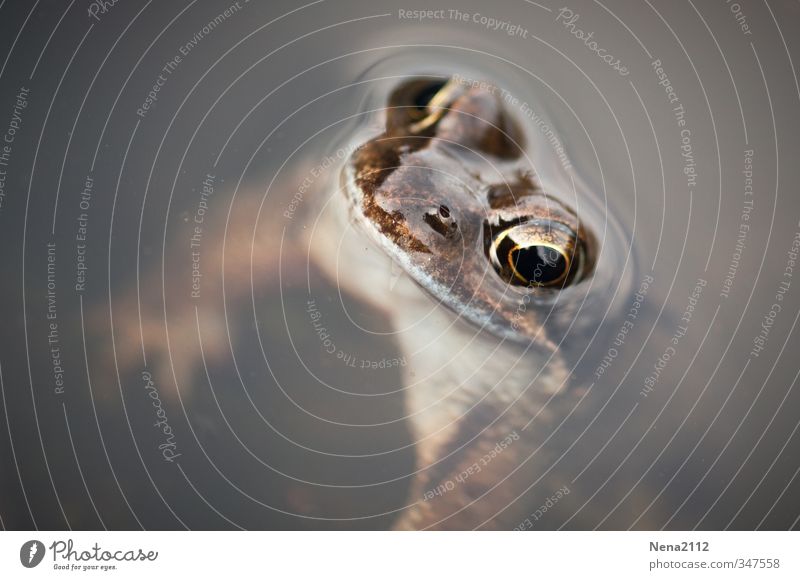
(486, 264)
(439, 223)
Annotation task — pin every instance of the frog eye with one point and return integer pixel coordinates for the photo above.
(425, 96)
(420, 103)
(537, 253)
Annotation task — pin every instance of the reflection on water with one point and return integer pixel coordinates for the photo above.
(209, 339)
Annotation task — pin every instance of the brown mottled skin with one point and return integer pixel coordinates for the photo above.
(435, 194)
(431, 190)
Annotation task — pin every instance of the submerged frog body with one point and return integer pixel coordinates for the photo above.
(447, 192)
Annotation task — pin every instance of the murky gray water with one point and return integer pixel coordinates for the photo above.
(193, 337)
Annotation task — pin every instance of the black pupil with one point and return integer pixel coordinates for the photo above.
(539, 264)
(425, 95)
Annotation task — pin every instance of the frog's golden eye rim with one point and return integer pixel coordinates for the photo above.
(426, 96)
(536, 255)
(433, 101)
(419, 103)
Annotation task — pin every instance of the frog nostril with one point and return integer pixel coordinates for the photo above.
(441, 221)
